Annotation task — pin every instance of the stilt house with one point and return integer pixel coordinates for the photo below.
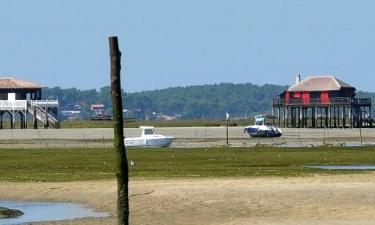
(322, 101)
(23, 100)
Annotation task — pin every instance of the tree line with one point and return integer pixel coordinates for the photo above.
(192, 102)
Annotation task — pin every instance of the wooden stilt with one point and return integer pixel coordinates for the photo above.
(35, 120)
(12, 120)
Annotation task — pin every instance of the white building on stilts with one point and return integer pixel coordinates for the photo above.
(22, 100)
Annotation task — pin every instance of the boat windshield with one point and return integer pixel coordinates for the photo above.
(149, 131)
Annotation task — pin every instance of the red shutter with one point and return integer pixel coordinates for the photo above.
(287, 97)
(324, 97)
(306, 98)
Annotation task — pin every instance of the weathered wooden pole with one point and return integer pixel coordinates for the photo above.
(1, 120)
(121, 159)
(35, 120)
(46, 125)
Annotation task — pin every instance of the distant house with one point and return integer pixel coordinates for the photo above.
(322, 101)
(98, 109)
(71, 114)
(98, 112)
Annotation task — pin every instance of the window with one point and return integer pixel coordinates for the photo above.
(149, 131)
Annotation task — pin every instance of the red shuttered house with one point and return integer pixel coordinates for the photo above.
(322, 101)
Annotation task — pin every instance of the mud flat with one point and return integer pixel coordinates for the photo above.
(329, 200)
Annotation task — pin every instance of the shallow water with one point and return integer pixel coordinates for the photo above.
(344, 167)
(46, 211)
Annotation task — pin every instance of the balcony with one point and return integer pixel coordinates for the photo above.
(45, 103)
(317, 102)
(6, 105)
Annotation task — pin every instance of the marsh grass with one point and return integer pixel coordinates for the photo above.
(92, 164)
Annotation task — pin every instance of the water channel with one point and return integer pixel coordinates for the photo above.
(47, 211)
(343, 167)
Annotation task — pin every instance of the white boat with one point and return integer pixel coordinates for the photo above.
(262, 129)
(149, 138)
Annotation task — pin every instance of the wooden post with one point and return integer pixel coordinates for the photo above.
(1, 120)
(330, 117)
(334, 117)
(293, 115)
(35, 120)
(21, 121)
(313, 114)
(46, 124)
(118, 125)
(370, 116)
(12, 120)
(321, 117)
(26, 112)
(286, 117)
(350, 117)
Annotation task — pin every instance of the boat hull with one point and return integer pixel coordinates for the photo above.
(265, 135)
(149, 142)
(263, 131)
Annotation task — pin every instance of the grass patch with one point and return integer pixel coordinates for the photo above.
(93, 164)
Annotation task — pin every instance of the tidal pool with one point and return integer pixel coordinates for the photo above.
(47, 211)
(344, 167)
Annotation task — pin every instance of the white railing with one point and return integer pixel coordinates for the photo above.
(13, 105)
(45, 103)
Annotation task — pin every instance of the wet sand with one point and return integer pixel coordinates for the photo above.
(328, 200)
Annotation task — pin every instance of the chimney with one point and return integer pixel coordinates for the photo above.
(298, 78)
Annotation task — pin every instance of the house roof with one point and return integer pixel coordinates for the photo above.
(12, 83)
(319, 83)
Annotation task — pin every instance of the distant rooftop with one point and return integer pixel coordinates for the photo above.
(319, 83)
(12, 83)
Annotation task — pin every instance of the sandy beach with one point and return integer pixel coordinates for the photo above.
(333, 200)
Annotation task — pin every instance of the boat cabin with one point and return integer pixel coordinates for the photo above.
(147, 130)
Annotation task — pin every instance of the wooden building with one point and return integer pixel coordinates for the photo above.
(322, 101)
(22, 100)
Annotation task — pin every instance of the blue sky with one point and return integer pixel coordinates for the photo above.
(178, 43)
